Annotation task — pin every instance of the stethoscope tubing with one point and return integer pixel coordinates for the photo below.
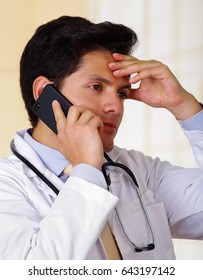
(33, 168)
(107, 178)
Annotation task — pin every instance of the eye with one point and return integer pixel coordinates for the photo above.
(96, 87)
(123, 94)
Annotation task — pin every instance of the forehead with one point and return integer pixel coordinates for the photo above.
(102, 54)
(96, 59)
(96, 63)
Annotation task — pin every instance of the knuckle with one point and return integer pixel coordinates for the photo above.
(154, 61)
(165, 67)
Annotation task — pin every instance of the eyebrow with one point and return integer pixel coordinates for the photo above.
(105, 81)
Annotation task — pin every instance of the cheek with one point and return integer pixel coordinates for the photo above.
(120, 117)
(94, 105)
(80, 99)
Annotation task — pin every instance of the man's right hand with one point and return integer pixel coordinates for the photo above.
(79, 135)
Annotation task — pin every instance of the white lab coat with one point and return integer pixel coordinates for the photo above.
(37, 224)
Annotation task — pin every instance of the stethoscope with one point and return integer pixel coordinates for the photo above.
(107, 164)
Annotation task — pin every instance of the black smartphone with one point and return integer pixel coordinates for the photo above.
(42, 108)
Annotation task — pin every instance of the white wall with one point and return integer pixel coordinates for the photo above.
(170, 31)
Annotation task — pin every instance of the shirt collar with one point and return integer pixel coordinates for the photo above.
(52, 159)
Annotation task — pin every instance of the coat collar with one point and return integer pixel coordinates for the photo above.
(27, 152)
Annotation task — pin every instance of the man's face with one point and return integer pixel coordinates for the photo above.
(93, 86)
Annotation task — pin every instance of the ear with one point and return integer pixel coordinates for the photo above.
(38, 86)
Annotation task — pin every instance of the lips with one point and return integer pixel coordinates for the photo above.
(110, 127)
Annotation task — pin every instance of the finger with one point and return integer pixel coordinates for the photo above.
(153, 73)
(59, 116)
(96, 122)
(77, 113)
(124, 68)
(86, 116)
(119, 63)
(74, 113)
(119, 57)
(130, 67)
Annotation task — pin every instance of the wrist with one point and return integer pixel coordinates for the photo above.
(94, 163)
(187, 109)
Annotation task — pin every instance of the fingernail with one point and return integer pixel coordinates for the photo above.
(116, 72)
(112, 64)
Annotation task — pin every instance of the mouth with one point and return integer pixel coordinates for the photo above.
(110, 127)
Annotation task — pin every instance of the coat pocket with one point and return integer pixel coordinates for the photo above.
(141, 229)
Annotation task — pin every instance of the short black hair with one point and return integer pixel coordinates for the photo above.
(57, 47)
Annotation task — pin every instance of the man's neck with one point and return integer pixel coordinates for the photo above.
(42, 134)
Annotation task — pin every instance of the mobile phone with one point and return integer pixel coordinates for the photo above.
(42, 108)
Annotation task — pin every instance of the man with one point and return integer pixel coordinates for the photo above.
(91, 65)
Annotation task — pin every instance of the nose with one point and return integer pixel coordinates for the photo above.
(113, 104)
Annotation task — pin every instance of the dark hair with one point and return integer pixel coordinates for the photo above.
(57, 47)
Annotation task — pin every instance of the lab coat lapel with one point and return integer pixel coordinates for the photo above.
(26, 151)
(116, 181)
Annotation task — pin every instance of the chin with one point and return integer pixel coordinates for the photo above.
(108, 148)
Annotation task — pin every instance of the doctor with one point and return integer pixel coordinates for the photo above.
(91, 65)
